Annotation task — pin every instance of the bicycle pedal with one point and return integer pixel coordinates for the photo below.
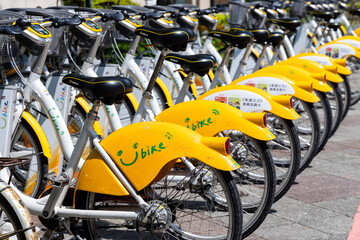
(57, 181)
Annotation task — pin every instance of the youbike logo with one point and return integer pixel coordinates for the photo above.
(54, 119)
(61, 98)
(144, 152)
(4, 112)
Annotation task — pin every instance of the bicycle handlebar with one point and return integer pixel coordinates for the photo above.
(10, 30)
(59, 22)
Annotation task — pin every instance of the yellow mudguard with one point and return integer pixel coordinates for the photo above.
(250, 99)
(278, 85)
(352, 40)
(209, 118)
(313, 67)
(357, 31)
(133, 101)
(39, 133)
(165, 90)
(298, 74)
(338, 50)
(326, 61)
(145, 151)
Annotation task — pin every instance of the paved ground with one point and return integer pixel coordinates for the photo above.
(326, 196)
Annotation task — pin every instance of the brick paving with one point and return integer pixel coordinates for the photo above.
(323, 201)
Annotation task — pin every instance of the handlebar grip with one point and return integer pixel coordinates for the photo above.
(59, 22)
(10, 30)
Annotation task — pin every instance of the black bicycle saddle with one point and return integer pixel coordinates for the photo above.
(238, 39)
(109, 90)
(199, 63)
(286, 23)
(175, 39)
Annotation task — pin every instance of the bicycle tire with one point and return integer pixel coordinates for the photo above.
(256, 179)
(346, 95)
(8, 214)
(24, 142)
(126, 111)
(285, 151)
(307, 126)
(94, 229)
(323, 110)
(336, 106)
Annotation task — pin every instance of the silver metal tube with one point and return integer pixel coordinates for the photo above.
(119, 174)
(38, 68)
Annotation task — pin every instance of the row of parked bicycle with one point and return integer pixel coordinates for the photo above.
(138, 143)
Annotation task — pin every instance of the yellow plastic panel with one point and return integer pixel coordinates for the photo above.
(142, 150)
(313, 67)
(251, 99)
(284, 86)
(96, 176)
(326, 61)
(338, 50)
(210, 117)
(298, 74)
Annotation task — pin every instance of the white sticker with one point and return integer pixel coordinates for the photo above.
(336, 51)
(272, 85)
(321, 60)
(244, 100)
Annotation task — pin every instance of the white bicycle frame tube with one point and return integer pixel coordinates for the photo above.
(209, 48)
(129, 67)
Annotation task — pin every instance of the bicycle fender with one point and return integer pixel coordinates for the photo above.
(145, 151)
(298, 74)
(279, 85)
(326, 61)
(338, 50)
(165, 90)
(133, 101)
(39, 133)
(251, 99)
(86, 107)
(196, 116)
(352, 40)
(21, 211)
(314, 67)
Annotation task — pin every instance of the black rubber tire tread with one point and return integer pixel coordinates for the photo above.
(264, 208)
(10, 213)
(346, 95)
(315, 125)
(326, 108)
(43, 166)
(336, 109)
(294, 164)
(84, 197)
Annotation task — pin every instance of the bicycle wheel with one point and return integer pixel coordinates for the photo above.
(345, 95)
(10, 226)
(255, 179)
(28, 178)
(285, 151)
(307, 127)
(336, 104)
(323, 110)
(190, 208)
(126, 111)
